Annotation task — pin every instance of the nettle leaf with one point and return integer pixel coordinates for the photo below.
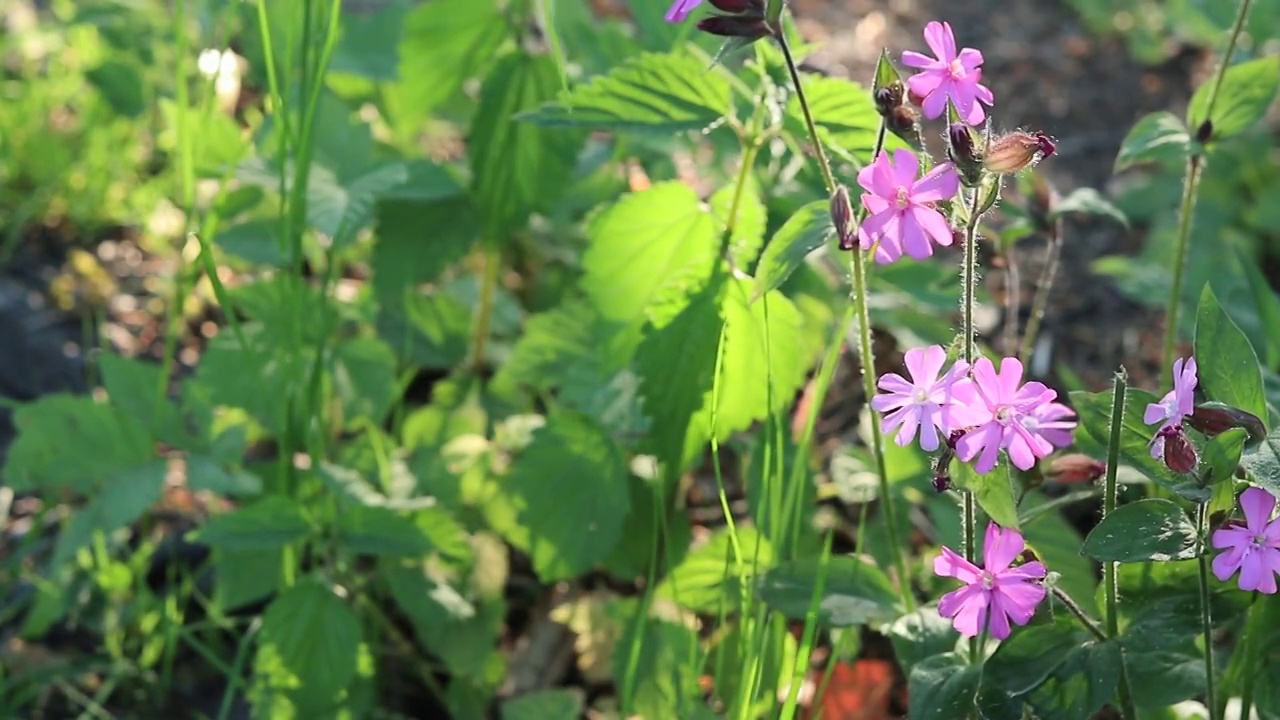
(666, 670)
(365, 48)
(134, 387)
(445, 43)
(545, 705)
(462, 633)
(571, 484)
(205, 473)
(993, 491)
(1153, 529)
(308, 644)
(1246, 92)
(1084, 682)
(67, 441)
(553, 346)
(654, 244)
(369, 530)
(363, 373)
(245, 576)
(707, 579)
(942, 687)
(805, 231)
(656, 93)
(856, 592)
(1087, 201)
(417, 241)
(429, 331)
(267, 524)
(1225, 361)
(844, 112)
(1157, 138)
(751, 219)
(518, 168)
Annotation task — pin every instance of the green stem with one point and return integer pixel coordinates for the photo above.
(1254, 650)
(1040, 304)
(969, 299)
(1206, 621)
(1110, 497)
(484, 315)
(810, 630)
(867, 356)
(1190, 191)
(1089, 623)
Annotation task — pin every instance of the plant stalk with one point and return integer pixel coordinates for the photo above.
(969, 281)
(1206, 621)
(1110, 496)
(1089, 623)
(1040, 303)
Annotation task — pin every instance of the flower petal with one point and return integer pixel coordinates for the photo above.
(906, 167)
(940, 183)
(914, 240)
(1258, 504)
(1000, 548)
(970, 59)
(953, 565)
(1226, 564)
(941, 40)
(920, 61)
(935, 103)
(933, 224)
(680, 10)
(967, 608)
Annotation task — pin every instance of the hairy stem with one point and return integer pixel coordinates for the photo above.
(1110, 496)
(1206, 621)
(969, 280)
(1089, 623)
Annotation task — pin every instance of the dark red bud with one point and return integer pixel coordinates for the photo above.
(1047, 145)
(842, 218)
(914, 99)
(744, 26)
(1179, 453)
(737, 6)
(1075, 468)
(942, 481)
(888, 99)
(963, 152)
(902, 121)
(1017, 150)
(1214, 418)
(1204, 133)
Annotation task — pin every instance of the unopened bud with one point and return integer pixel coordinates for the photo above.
(749, 26)
(888, 99)
(962, 149)
(1215, 418)
(902, 122)
(1204, 133)
(1018, 150)
(1075, 468)
(842, 218)
(1179, 454)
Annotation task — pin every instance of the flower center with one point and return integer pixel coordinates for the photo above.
(956, 69)
(1259, 540)
(920, 396)
(904, 199)
(1004, 414)
(988, 580)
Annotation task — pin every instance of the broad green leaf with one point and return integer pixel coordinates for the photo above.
(1163, 677)
(1087, 201)
(652, 93)
(121, 85)
(993, 491)
(417, 241)
(368, 530)
(242, 577)
(106, 440)
(1262, 462)
(707, 580)
(1225, 361)
(942, 687)
(1153, 529)
(134, 386)
(1030, 655)
(571, 486)
(843, 111)
(1245, 94)
(254, 241)
(463, 634)
(545, 705)
(125, 496)
(445, 43)
(1157, 138)
(666, 670)
(268, 524)
(206, 473)
(364, 380)
(920, 635)
(554, 346)
(1084, 682)
(429, 331)
(1220, 457)
(749, 221)
(855, 592)
(369, 46)
(650, 245)
(805, 231)
(517, 168)
(642, 529)
(308, 644)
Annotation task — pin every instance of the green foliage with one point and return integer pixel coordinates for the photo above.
(1243, 98)
(1160, 137)
(1152, 529)
(855, 592)
(1226, 364)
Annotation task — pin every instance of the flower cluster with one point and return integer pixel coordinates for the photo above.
(996, 593)
(979, 410)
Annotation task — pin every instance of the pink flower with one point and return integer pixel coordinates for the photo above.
(680, 10)
(1022, 419)
(957, 76)
(994, 594)
(1177, 404)
(1253, 550)
(923, 403)
(902, 218)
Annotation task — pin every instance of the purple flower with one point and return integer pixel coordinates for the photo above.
(994, 594)
(953, 75)
(1022, 419)
(1253, 550)
(902, 218)
(924, 403)
(680, 10)
(1177, 404)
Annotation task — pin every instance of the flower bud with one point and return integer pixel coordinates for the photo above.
(1017, 150)
(1215, 418)
(888, 99)
(962, 149)
(748, 26)
(1179, 453)
(1074, 468)
(1204, 133)
(842, 218)
(902, 122)
(738, 6)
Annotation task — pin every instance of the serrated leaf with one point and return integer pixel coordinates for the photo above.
(106, 441)
(706, 580)
(1152, 529)
(517, 168)
(363, 373)
(268, 524)
(463, 633)
(844, 111)
(650, 245)
(571, 485)
(749, 223)
(805, 231)
(651, 93)
(1087, 201)
(551, 346)
(445, 43)
(1157, 138)
(856, 592)
(368, 530)
(1243, 98)
(1225, 361)
(429, 331)
(545, 705)
(366, 48)
(205, 473)
(308, 643)
(245, 576)
(417, 241)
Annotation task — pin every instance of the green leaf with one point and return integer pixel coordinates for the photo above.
(417, 241)
(805, 231)
(1157, 138)
(268, 524)
(429, 331)
(245, 576)
(1029, 656)
(1084, 682)
(993, 491)
(133, 386)
(942, 687)
(1057, 543)
(364, 380)
(572, 484)
(1225, 362)
(308, 643)
(1087, 201)
(651, 93)
(463, 634)
(1165, 677)
(843, 111)
(654, 244)
(666, 670)
(106, 440)
(1243, 98)
(545, 705)
(366, 48)
(641, 531)
(255, 241)
(855, 592)
(517, 168)
(1220, 457)
(707, 580)
(205, 473)
(445, 43)
(1262, 462)
(367, 530)
(122, 86)
(748, 225)
(920, 635)
(1154, 529)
